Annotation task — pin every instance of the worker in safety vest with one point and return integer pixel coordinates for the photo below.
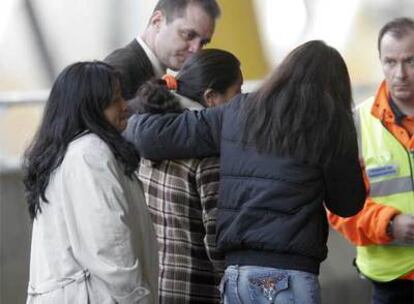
(384, 230)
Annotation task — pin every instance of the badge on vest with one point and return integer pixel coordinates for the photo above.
(381, 171)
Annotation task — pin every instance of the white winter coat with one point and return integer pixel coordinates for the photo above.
(94, 241)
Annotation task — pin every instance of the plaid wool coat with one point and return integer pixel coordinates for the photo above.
(182, 198)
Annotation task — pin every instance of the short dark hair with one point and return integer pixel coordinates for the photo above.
(303, 110)
(397, 27)
(176, 8)
(76, 104)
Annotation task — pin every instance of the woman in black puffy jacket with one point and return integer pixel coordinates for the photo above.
(286, 152)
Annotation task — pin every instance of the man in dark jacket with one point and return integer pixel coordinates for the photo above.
(175, 30)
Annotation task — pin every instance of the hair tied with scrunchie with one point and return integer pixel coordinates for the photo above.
(170, 81)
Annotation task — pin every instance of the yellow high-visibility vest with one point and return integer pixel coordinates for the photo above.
(389, 167)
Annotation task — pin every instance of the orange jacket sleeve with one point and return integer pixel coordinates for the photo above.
(367, 227)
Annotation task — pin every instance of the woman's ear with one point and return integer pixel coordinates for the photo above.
(210, 97)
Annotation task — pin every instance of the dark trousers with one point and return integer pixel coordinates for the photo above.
(394, 292)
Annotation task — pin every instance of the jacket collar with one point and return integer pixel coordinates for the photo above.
(381, 108)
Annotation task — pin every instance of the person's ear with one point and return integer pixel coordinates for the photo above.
(210, 97)
(157, 19)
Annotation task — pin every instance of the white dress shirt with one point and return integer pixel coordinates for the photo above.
(159, 69)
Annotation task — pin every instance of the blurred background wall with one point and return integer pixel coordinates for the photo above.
(38, 38)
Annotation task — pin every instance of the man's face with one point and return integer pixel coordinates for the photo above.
(397, 59)
(177, 40)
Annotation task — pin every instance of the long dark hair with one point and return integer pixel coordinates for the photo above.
(76, 104)
(304, 109)
(207, 69)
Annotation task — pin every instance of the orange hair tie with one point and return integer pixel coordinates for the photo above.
(171, 81)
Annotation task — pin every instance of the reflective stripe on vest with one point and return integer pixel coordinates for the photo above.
(390, 184)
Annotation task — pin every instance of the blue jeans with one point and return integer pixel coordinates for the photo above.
(265, 285)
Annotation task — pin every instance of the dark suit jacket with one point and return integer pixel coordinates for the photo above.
(134, 66)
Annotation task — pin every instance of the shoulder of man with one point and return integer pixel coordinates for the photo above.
(129, 51)
(134, 66)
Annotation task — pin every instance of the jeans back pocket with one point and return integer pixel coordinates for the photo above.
(270, 288)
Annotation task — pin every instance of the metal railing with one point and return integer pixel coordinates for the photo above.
(13, 98)
(39, 97)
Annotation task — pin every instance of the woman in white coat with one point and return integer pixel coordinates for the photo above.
(93, 239)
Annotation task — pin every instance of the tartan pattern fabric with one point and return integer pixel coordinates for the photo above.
(182, 198)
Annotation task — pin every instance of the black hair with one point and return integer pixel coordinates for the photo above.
(76, 104)
(397, 27)
(303, 110)
(207, 69)
(154, 97)
(176, 8)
